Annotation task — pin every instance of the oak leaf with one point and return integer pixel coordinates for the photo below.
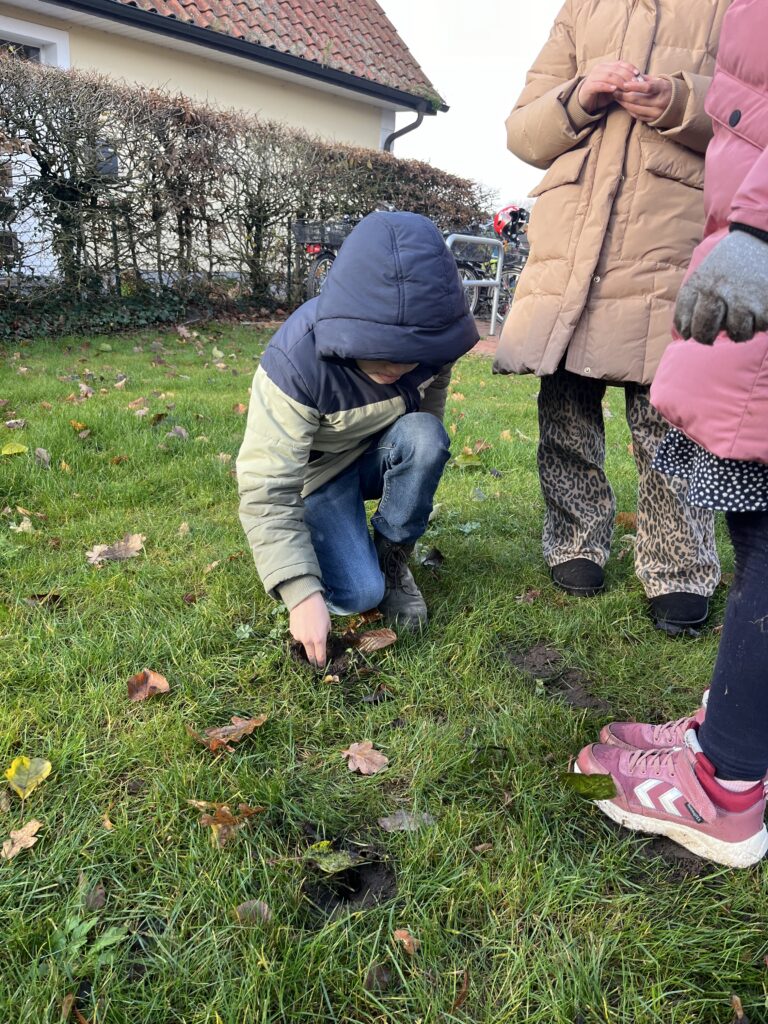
(361, 757)
(373, 640)
(129, 547)
(145, 684)
(22, 839)
(223, 822)
(26, 774)
(221, 736)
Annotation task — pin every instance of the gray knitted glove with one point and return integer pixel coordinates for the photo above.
(728, 292)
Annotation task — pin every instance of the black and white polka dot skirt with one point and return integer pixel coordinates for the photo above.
(724, 484)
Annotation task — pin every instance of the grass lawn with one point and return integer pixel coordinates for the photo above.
(527, 904)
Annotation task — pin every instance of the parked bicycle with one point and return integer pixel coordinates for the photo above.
(321, 241)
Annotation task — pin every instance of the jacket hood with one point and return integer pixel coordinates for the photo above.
(394, 293)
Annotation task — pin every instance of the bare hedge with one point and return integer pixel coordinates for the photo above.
(132, 196)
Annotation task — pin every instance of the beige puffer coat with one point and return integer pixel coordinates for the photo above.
(620, 209)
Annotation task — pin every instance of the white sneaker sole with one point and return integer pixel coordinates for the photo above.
(733, 855)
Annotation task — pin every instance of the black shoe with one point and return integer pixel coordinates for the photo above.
(402, 606)
(579, 576)
(679, 612)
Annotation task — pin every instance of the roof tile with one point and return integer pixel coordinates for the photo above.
(352, 36)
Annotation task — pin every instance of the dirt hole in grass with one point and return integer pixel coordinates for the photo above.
(574, 688)
(546, 665)
(539, 662)
(360, 887)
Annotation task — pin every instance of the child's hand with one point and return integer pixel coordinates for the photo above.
(604, 81)
(646, 100)
(310, 625)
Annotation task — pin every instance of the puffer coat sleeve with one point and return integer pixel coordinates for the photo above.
(750, 204)
(548, 119)
(271, 468)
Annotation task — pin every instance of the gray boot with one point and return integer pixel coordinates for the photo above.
(402, 605)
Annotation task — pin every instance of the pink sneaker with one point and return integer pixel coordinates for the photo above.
(674, 793)
(641, 736)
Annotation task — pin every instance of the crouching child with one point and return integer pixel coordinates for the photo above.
(346, 407)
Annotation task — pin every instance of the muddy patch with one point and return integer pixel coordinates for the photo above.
(575, 689)
(546, 666)
(539, 662)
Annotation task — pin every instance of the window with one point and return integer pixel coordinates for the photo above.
(21, 50)
(26, 40)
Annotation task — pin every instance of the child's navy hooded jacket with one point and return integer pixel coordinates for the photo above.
(394, 293)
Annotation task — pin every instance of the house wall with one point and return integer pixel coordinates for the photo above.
(151, 63)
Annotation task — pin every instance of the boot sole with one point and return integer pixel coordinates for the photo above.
(733, 855)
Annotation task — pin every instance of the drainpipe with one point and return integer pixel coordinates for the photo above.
(390, 139)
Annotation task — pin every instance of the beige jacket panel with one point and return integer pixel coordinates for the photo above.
(620, 209)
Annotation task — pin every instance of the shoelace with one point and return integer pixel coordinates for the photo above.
(668, 733)
(653, 761)
(396, 572)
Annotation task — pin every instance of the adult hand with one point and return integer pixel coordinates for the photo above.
(310, 625)
(728, 292)
(645, 100)
(604, 81)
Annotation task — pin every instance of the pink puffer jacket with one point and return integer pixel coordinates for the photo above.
(718, 395)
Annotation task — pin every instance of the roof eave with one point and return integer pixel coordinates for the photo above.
(251, 51)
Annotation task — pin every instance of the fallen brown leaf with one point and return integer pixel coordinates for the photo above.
(77, 425)
(22, 839)
(221, 736)
(240, 409)
(409, 942)
(481, 446)
(118, 460)
(43, 458)
(137, 403)
(253, 912)
(361, 757)
(461, 995)
(224, 824)
(373, 640)
(96, 897)
(529, 597)
(129, 547)
(145, 684)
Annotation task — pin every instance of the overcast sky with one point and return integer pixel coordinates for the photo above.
(476, 54)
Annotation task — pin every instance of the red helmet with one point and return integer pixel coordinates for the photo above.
(507, 219)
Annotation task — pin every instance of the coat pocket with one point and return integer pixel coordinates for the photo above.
(668, 160)
(566, 170)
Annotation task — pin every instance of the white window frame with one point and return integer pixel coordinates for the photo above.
(53, 44)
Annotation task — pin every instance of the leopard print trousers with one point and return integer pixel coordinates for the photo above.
(675, 548)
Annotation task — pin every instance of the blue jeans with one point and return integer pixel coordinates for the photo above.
(402, 467)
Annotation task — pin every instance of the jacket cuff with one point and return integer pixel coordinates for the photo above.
(295, 591)
(674, 115)
(748, 229)
(577, 115)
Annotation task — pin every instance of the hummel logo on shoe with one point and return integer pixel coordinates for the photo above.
(666, 799)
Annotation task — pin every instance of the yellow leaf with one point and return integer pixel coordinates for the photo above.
(26, 774)
(64, 467)
(77, 425)
(13, 448)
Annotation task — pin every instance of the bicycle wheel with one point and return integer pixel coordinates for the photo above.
(509, 279)
(317, 273)
(468, 273)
